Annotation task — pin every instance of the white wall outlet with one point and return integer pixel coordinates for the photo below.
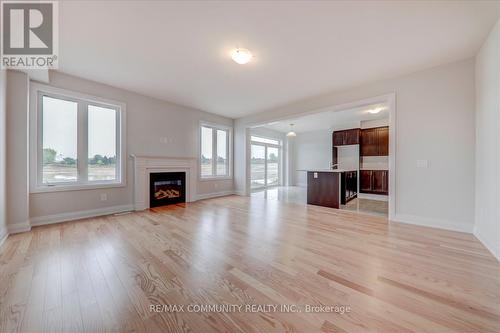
(422, 164)
(104, 196)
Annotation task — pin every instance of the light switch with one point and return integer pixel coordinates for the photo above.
(315, 175)
(422, 164)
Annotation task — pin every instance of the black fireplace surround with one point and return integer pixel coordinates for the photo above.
(166, 188)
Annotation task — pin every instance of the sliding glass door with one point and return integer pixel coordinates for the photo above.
(272, 166)
(265, 162)
(258, 166)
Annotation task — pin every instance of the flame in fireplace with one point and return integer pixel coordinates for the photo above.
(170, 193)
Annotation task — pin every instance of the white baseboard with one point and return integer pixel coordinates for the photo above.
(18, 227)
(433, 223)
(70, 216)
(491, 246)
(378, 197)
(214, 195)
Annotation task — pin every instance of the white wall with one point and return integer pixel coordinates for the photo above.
(3, 154)
(435, 121)
(487, 218)
(17, 151)
(311, 150)
(374, 123)
(348, 157)
(148, 120)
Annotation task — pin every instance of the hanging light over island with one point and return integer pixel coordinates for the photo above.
(291, 133)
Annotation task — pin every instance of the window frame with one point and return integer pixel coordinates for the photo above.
(229, 142)
(37, 91)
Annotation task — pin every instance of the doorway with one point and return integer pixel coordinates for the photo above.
(294, 172)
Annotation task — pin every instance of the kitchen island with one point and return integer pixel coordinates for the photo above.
(330, 187)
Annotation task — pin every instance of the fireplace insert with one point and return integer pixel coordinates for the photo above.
(167, 188)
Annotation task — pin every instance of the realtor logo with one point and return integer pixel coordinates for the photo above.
(29, 34)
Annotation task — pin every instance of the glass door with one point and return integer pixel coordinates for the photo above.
(258, 166)
(265, 162)
(272, 166)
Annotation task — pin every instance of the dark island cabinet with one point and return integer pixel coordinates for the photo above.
(323, 189)
(374, 181)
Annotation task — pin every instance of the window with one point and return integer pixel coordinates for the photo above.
(264, 140)
(59, 142)
(78, 141)
(214, 152)
(101, 162)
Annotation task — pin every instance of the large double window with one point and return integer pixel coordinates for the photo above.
(78, 141)
(214, 151)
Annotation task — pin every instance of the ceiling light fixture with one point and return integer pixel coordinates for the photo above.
(241, 56)
(291, 133)
(376, 110)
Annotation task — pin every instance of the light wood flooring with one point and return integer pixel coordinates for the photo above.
(103, 274)
(298, 194)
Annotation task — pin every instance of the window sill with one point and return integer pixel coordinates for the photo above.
(76, 187)
(213, 178)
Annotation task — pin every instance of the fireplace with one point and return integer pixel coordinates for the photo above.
(167, 188)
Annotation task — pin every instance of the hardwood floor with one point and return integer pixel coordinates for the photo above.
(103, 274)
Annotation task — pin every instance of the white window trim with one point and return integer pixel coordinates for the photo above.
(279, 144)
(229, 147)
(35, 170)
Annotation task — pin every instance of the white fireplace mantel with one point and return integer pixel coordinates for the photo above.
(145, 165)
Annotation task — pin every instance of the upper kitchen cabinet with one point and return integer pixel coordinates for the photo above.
(346, 137)
(383, 141)
(338, 138)
(374, 141)
(368, 146)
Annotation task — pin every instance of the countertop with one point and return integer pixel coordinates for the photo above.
(325, 170)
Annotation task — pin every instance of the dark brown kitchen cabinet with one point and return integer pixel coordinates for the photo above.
(365, 180)
(380, 181)
(374, 141)
(368, 145)
(338, 138)
(374, 181)
(323, 189)
(383, 141)
(346, 137)
(351, 136)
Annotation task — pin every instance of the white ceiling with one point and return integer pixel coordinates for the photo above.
(329, 120)
(179, 51)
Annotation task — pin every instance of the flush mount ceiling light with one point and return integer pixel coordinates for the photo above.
(291, 133)
(376, 110)
(241, 56)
